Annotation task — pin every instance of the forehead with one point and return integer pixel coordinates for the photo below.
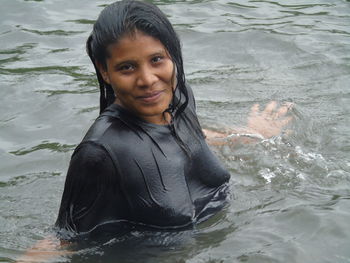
(135, 45)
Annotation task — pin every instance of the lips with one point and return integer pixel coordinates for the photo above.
(150, 97)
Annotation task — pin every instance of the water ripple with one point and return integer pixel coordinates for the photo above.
(19, 50)
(52, 32)
(82, 21)
(40, 70)
(27, 178)
(59, 50)
(299, 6)
(240, 5)
(65, 91)
(45, 145)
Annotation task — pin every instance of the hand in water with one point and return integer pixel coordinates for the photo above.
(45, 250)
(271, 121)
(261, 124)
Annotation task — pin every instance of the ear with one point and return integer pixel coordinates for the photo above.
(103, 72)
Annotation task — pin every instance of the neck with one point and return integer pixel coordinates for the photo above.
(163, 119)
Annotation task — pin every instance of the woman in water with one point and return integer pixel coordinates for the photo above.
(145, 161)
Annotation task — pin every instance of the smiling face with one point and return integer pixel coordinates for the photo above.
(141, 73)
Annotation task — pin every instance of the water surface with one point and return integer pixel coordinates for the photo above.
(290, 195)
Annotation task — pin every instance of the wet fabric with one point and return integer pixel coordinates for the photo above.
(129, 171)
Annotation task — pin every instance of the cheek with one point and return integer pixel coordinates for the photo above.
(121, 85)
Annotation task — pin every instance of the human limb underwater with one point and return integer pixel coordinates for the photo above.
(261, 125)
(45, 250)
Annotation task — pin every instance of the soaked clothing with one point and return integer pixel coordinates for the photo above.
(129, 171)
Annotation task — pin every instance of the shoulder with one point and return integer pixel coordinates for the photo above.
(114, 122)
(191, 99)
(91, 164)
(90, 152)
(188, 118)
(100, 126)
(91, 158)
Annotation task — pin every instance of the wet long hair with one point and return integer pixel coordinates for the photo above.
(125, 17)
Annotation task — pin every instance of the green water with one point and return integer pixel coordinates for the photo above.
(290, 195)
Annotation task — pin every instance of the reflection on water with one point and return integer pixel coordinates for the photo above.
(290, 194)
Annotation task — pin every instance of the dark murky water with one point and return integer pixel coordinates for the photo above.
(291, 194)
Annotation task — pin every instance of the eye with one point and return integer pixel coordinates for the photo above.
(125, 68)
(157, 59)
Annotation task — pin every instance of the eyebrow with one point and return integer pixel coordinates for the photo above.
(132, 61)
(161, 51)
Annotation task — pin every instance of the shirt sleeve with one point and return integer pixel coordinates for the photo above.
(91, 195)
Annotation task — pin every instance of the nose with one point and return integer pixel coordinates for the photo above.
(146, 77)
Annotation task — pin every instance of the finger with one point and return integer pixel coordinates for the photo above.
(271, 106)
(289, 105)
(254, 110)
(282, 111)
(288, 132)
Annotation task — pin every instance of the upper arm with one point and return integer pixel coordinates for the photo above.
(91, 181)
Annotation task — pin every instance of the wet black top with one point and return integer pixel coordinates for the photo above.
(128, 170)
